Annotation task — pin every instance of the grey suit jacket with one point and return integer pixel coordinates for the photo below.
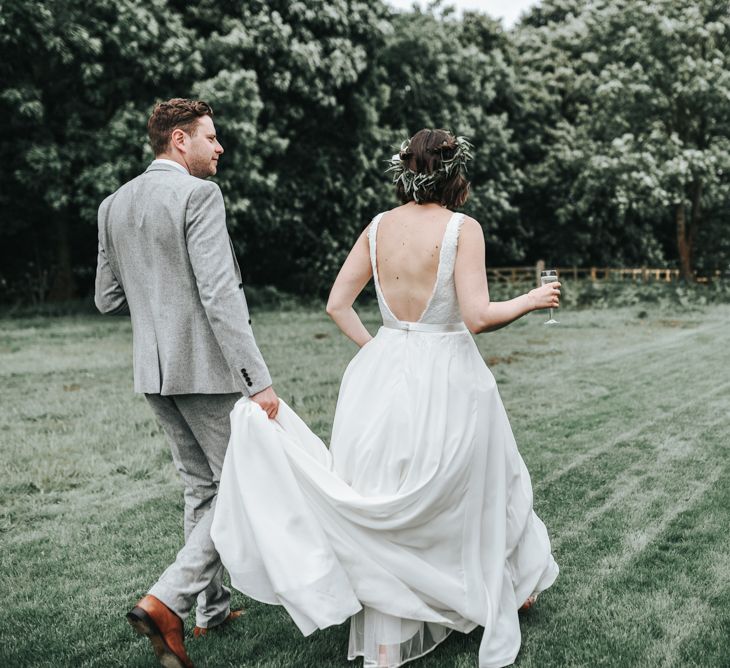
(165, 258)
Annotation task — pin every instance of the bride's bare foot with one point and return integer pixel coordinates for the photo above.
(528, 603)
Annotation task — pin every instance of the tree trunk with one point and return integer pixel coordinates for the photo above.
(64, 283)
(685, 258)
(687, 232)
(695, 220)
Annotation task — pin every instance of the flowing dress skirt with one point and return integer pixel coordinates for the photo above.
(417, 521)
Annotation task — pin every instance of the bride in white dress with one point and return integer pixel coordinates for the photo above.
(418, 519)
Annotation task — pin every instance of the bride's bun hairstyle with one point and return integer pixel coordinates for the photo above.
(176, 113)
(431, 167)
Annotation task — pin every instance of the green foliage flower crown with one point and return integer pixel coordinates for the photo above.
(418, 184)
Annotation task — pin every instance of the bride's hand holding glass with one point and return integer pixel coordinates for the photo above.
(546, 296)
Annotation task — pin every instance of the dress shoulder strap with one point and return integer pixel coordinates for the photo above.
(451, 243)
(374, 225)
(372, 238)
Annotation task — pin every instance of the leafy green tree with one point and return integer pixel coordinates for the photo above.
(77, 81)
(297, 91)
(458, 74)
(633, 149)
(601, 128)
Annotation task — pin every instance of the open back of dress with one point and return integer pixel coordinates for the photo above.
(417, 521)
(443, 305)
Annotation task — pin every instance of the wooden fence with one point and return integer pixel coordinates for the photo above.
(644, 274)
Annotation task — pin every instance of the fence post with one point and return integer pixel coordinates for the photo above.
(540, 266)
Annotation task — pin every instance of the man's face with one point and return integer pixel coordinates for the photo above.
(203, 149)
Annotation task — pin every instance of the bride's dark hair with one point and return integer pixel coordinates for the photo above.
(432, 169)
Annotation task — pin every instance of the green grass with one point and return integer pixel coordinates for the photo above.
(623, 422)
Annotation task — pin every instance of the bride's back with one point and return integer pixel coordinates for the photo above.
(409, 240)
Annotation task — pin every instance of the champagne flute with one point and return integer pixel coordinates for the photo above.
(549, 276)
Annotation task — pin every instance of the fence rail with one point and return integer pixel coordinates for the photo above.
(644, 274)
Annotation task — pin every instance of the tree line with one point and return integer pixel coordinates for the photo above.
(601, 128)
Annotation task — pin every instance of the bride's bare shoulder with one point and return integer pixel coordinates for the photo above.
(471, 227)
(471, 242)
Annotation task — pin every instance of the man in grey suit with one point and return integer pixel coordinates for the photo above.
(165, 258)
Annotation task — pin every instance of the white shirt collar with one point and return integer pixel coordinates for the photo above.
(164, 161)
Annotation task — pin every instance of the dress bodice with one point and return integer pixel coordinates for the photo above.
(443, 306)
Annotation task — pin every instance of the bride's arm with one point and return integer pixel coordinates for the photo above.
(353, 277)
(470, 275)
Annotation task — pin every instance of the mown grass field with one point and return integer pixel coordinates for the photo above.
(623, 421)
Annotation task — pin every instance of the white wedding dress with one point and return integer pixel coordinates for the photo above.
(417, 521)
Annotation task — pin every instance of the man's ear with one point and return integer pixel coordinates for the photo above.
(177, 140)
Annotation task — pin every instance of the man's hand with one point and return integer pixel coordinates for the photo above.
(268, 400)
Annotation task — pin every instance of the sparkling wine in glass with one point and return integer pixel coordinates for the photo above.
(549, 276)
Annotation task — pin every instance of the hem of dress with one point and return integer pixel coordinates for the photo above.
(413, 658)
(280, 599)
(541, 585)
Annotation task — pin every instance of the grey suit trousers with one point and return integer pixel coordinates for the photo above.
(198, 428)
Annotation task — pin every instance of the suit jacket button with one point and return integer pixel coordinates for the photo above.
(240, 286)
(249, 321)
(249, 383)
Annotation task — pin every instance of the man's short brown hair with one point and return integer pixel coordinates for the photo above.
(178, 112)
